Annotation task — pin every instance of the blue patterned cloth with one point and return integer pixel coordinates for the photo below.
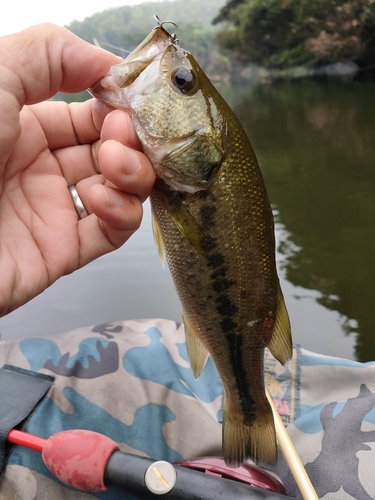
(131, 380)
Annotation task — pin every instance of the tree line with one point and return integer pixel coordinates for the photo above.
(283, 33)
(224, 37)
(125, 27)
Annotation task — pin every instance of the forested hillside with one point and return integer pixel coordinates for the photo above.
(225, 37)
(125, 27)
(282, 33)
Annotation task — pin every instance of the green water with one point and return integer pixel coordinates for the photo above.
(315, 142)
(316, 146)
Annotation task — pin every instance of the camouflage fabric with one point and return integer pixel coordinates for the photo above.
(334, 433)
(131, 380)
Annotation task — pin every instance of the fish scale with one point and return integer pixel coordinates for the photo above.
(213, 221)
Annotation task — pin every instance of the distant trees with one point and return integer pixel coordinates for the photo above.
(271, 33)
(128, 25)
(279, 33)
(125, 27)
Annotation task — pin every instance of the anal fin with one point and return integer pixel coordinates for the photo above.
(280, 344)
(198, 354)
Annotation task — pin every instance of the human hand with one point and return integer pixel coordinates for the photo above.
(49, 146)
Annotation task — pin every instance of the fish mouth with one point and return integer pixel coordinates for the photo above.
(122, 75)
(126, 72)
(106, 91)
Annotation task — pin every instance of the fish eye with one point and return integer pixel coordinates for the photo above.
(184, 80)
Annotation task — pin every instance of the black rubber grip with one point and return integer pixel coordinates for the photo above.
(127, 473)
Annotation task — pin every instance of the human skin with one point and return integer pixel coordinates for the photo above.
(45, 147)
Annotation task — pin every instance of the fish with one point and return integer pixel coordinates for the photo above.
(213, 221)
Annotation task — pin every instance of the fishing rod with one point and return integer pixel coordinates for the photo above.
(291, 456)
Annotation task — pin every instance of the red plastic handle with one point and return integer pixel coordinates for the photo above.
(28, 440)
(77, 457)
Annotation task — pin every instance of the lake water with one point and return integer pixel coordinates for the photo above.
(315, 144)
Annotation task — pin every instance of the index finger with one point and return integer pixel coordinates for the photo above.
(65, 125)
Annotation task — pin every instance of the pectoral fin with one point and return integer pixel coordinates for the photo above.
(158, 240)
(281, 342)
(198, 354)
(185, 223)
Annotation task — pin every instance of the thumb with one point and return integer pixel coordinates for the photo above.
(45, 59)
(37, 63)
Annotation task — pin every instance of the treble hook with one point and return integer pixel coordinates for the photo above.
(161, 25)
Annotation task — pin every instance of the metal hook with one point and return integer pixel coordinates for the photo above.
(161, 25)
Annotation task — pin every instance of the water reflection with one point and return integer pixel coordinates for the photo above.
(316, 148)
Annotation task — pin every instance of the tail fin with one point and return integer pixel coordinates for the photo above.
(256, 441)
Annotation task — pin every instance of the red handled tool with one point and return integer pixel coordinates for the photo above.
(90, 461)
(77, 457)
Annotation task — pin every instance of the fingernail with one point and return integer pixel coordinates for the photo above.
(132, 164)
(114, 198)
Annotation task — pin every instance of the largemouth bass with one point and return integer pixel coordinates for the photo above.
(213, 219)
